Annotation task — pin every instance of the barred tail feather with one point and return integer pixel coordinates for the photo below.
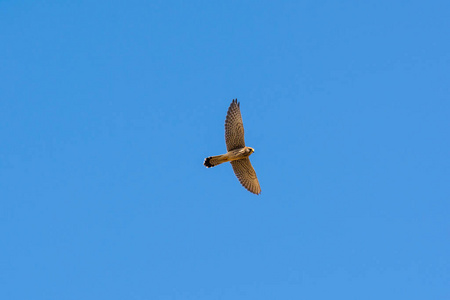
(213, 161)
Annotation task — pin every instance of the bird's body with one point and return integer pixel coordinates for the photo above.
(237, 153)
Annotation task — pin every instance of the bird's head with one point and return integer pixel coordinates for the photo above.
(251, 150)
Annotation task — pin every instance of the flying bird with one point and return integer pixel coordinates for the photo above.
(237, 153)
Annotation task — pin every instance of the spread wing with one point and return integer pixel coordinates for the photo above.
(234, 128)
(246, 175)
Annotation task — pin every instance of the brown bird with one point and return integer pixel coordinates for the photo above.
(238, 154)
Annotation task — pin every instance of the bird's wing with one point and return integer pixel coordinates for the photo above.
(234, 128)
(246, 175)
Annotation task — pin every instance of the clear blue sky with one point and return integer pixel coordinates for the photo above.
(108, 108)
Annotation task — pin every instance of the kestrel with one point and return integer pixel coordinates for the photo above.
(237, 153)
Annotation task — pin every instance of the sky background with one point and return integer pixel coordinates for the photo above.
(108, 109)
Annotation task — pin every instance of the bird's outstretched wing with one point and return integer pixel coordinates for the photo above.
(234, 128)
(246, 175)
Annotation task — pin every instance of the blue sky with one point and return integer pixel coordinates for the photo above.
(108, 108)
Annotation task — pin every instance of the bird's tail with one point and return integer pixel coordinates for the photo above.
(213, 161)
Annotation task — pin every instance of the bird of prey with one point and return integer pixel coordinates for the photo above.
(238, 154)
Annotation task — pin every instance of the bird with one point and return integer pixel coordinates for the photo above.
(237, 153)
